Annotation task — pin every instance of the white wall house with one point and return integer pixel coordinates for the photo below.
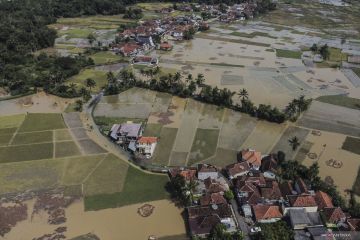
(147, 145)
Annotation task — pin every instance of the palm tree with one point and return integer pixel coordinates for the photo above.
(243, 94)
(90, 83)
(189, 78)
(200, 79)
(190, 188)
(177, 77)
(291, 109)
(294, 143)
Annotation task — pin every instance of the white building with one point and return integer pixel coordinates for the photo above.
(147, 145)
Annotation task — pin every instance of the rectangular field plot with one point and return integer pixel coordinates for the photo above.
(178, 158)
(72, 120)
(41, 122)
(76, 169)
(12, 121)
(352, 145)
(26, 152)
(7, 131)
(284, 145)
(133, 95)
(303, 151)
(223, 157)
(79, 133)
(328, 117)
(123, 110)
(62, 135)
(90, 147)
(5, 139)
(232, 80)
(35, 175)
(66, 149)
(163, 149)
(177, 107)
(139, 187)
(162, 102)
(236, 128)
(211, 117)
(264, 136)
(34, 137)
(204, 145)
(107, 178)
(152, 130)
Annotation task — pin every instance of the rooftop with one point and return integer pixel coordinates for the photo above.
(263, 212)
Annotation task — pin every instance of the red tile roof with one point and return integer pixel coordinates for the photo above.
(188, 174)
(252, 157)
(165, 45)
(213, 198)
(213, 186)
(302, 201)
(128, 48)
(354, 224)
(333, 215)
(148, 140)
(207, 168)
(323, 200)
(271, 191)
(238, 168)
(264, 212)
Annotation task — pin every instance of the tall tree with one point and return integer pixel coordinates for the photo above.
(243, 94)
(90, 83)
(294, 143)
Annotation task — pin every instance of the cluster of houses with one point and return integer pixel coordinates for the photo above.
(129, 136)
(260, 198)
(139, 40)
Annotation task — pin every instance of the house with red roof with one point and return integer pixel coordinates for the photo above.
(252, 157)
(165, 46)
(323, 200)
(127, 49)
(212, 198)
(301, 201)
(237, 169)
(333, 216)
(188, 174)
(266, 213)
(207, 171)
(147, 145)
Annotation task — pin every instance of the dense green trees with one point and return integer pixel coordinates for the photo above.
(274, 231)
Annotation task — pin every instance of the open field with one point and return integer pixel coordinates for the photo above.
(98, 76)
(66, 149)
(138, 187)
(204, 145)
(32, 137)
(106, 57)
(328, 147)
(341, 100)
(41, 122)
(163, 151)
(327, 117)
(22, 152)
(352, 145)
(288, 54)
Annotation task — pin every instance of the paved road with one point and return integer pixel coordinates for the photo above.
(241, 220)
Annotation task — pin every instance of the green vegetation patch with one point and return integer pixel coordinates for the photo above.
(76, 169)
(341, 100)
(5, 139)
(12, 121)
(98, 76)
(35, 175)
(62, 135)
(139, 187)
(42, 121)
(76, 33)
(223, 157)
(336, 55)
(66, 149)
(288, 54)
(107, 178)
(204, 145)
(7, 131)
(352, 145)
(164, 147)
(33, 137)
(26, 152)
(106, 57)
(152, 130)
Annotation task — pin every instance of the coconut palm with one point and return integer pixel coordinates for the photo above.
(90, 83)
(200, 79)
(294, 143)
(243, 94)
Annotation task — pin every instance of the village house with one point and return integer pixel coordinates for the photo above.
(323, 200)
(269, 166)
(202, 219)
(145, 60)
(287, 189)
(165, 46)
(212, 198)
(207, 171)
(252, 157)
(266, 213)
(301, 219)
(147, 145)
(188, 174)
(333, 216)
(300, 186)
(126, 132)
(237, 169)
(301, 201)
(127, 49)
